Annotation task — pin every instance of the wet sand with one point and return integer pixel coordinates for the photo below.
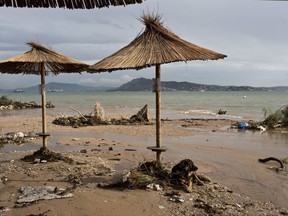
(228, 156)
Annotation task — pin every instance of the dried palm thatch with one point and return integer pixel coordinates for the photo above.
(40, 60)
(69, 4)
(31, 62)
(156, 45)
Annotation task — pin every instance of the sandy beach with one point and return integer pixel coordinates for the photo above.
(240, 184)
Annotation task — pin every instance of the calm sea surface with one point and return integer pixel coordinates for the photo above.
(239, 105)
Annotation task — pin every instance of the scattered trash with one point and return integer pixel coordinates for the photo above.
(115, 159)
(83, 151)
(97, 118)
(161, 207)
(177, 199)
(221, 112)
(243, 125)
(3, 209)
(151, 175)
(125, 177)
(75, 139)
(155, 187)
(37, 160)
(130, 150)
(31, 194)
(4, 179)
(17, 137)
(9, 104)
(261, 128)
(264, 160)
(46, 155)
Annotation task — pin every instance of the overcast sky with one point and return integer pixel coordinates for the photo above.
(252, 33)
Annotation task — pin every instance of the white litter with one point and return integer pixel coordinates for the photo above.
(31, 194)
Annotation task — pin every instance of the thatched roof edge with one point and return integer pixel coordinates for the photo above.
(67, 4)
(31, 62)
(156, 45)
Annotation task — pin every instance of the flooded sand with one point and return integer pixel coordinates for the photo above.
(230, 158)
(234, 160)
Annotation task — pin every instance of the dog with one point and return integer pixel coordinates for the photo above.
(182, 175)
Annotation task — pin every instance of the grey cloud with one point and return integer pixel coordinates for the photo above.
(252, 33)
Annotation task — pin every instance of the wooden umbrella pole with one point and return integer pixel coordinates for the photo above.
(158, 111)
(43, 94)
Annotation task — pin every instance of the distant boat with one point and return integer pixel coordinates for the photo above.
(55, 90)
(18, 90)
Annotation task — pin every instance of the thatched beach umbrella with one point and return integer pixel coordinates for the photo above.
(40, 61)
(156, 45)
(69, 4)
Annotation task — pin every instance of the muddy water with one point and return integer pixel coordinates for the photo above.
(229, 158)
(234, 161)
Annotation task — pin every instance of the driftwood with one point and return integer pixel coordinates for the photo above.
(221, 112)
(78, 112)
(91, 120)
(8, 104)
(142, 115)
(264, 160)
(99, 113)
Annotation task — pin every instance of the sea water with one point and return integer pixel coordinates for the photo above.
(190, 104)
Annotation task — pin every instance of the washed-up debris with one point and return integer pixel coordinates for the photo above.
(3, 209)
(98, 118)
(176, 199)
(151, 175)
(221, 112)
(250, 125)
(141, 116)
(17, 137)
(99, 114)
(155, 187)
(278, 118)
(243, 125)
(130, 149)
(273, 120)
(47, 155)
(75, 139)
(31, 194)
(264, 160)
(3, 179)
(8, 104)
(83, 151)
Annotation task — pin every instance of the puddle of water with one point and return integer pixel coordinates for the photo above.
(235, 157)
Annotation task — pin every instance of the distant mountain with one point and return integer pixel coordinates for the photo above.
(3, 91)
(60, 87)
(143, 84)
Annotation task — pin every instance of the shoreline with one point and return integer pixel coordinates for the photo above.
(207, 142)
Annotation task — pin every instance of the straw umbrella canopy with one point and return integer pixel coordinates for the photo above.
(69, 4)
(156, 45)
(40, 61)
